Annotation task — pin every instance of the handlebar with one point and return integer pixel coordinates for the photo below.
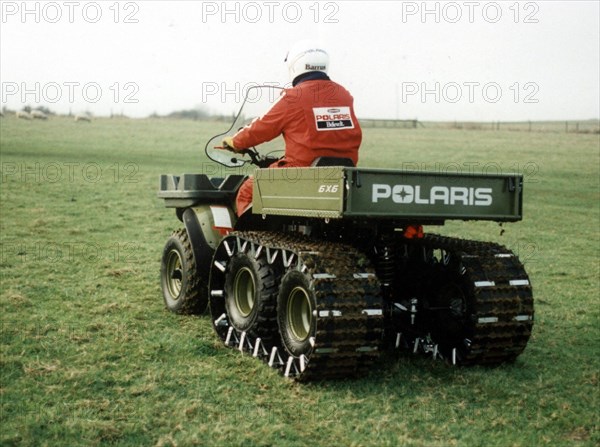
(255, 158)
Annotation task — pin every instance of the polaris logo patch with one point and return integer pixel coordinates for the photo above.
(412, 194)
(333, 118)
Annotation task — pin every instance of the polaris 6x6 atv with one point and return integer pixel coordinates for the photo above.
(331, 267)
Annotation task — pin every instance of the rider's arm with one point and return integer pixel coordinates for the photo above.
(266, 127)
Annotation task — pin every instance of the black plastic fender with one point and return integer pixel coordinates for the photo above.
(203, 252)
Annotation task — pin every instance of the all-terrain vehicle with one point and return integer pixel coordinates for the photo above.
(331, 266)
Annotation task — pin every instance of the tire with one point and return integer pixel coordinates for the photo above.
(250, 294)
(295, 305)
(184, 290)
(451, 321)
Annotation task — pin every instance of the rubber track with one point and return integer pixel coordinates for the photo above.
(347, 339)
(502, 317)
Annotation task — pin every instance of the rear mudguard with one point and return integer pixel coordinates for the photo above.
(206, 226)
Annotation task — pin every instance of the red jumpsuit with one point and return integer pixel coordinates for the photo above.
(316, 118)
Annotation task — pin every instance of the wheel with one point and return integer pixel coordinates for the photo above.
(451, 312)
(295, 313)
(476, 302)
(250, 290)
(184, 290)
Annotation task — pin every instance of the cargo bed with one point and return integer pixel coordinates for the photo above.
(336, 192)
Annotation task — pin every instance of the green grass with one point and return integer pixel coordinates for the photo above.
(90, 356)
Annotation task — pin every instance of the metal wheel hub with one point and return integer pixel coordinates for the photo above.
(174, 273)
(455, 299)
(299, 313)
(244, 289)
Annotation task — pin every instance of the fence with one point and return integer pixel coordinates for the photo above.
(401, 124)
(587, 126)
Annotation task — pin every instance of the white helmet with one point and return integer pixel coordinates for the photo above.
(306, 56)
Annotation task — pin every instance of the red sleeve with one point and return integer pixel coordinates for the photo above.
(264, 128)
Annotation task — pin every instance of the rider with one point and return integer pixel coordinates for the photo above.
(316, 118)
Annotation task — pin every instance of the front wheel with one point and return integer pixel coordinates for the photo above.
(183, 290)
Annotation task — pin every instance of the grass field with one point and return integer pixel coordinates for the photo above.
(91, 357)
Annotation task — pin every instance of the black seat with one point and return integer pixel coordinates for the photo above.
(333, 161)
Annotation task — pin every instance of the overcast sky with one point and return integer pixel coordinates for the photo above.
(472, 60)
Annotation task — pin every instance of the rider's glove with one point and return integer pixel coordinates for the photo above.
(228, 144)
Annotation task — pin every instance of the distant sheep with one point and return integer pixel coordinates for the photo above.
(23, 115)
(39, 115)
(83, 118)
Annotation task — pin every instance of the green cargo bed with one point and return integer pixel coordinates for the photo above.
(336, 192)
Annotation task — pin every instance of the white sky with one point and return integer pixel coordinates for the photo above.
(471, 60)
